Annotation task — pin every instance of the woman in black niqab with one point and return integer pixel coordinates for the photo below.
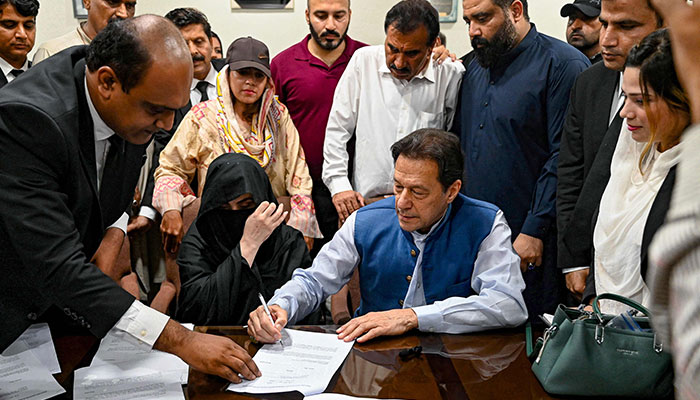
(219, 286)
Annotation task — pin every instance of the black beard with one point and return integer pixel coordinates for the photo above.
(326, 45)
(492, 50)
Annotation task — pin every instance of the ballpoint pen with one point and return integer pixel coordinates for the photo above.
(269, 314)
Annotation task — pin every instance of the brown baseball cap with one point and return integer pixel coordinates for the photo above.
(246, 52)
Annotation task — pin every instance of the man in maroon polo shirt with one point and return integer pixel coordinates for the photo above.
(305, 76)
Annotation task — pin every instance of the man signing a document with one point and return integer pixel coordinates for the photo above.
(429, 257)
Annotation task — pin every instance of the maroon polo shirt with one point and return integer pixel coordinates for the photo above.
(306, 85)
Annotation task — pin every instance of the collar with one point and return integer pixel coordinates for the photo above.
(210, 78)
(83, 36)
(102, 131)
(428, 73)
(6, 67)
(422, 236)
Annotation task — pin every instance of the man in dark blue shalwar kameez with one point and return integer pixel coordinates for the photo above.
(511, 110)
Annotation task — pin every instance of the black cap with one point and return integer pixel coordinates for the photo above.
(589, 8)
(247, 52)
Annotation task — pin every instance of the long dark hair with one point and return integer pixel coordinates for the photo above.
(654, 58)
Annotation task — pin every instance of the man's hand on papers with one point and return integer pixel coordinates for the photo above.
(261, 328)
(682, 18)
(216, 355)
(346, 203)
(171, 230)
(375, 324)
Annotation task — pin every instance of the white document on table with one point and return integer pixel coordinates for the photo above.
(118, 347)
(305, 362)
(38, 338)
(23, 376)
(125, 381)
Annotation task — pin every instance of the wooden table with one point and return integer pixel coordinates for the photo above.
(491, 365)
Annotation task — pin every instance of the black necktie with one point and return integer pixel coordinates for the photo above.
(111, 169)
(202, 88)
(16, 72)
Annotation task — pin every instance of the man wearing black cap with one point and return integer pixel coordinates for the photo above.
(583, 28)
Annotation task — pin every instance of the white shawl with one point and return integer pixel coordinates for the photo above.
(624, 209)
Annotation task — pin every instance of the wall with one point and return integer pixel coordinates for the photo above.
(280, 29)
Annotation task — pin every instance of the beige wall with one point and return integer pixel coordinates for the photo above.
(280, 29)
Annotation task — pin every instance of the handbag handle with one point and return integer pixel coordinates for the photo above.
(618, 298)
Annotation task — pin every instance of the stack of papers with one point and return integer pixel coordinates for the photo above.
(126, 382)
(304, 362)
(125, 368)
(26, 366)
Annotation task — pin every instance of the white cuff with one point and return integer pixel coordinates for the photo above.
(142, 323)
(429, 317)
(339, 184)
(121, 223)
(573, 269)
(148, 212)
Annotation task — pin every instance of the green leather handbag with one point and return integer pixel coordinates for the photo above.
(579, 356)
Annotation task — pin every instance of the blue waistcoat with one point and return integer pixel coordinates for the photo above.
(388, 254)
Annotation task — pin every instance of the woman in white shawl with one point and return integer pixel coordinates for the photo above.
(656, 113)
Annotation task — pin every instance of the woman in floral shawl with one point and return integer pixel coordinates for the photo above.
(245, 118)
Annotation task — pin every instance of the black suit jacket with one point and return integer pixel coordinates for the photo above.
(585, 129)
(3, 78)
(52, 221)
(656, 218)
(162, 138)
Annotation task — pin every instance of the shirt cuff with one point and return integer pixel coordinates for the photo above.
(148, 212)
(339, 184)
(536, 226)
(142, 323)
(429, 317)
(573, 269)
(286, 306)
(121, 223)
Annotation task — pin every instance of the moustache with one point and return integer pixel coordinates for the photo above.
(114, 18)
(198, 57)
(329, 33)
(479, 41)
(405, 70)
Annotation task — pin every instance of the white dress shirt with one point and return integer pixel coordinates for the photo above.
(617, 103)
(195, 95)
(140, 322)
(496, 280)
(7, 68)
(380, 109)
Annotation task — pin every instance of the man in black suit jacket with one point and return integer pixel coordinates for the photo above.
(72, 139)
(590, 134)
(196, 30)
(17, 34)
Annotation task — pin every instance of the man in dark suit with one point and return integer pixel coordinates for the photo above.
(72, 139)
(196, 30)
(590, 133)
(17, 34)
